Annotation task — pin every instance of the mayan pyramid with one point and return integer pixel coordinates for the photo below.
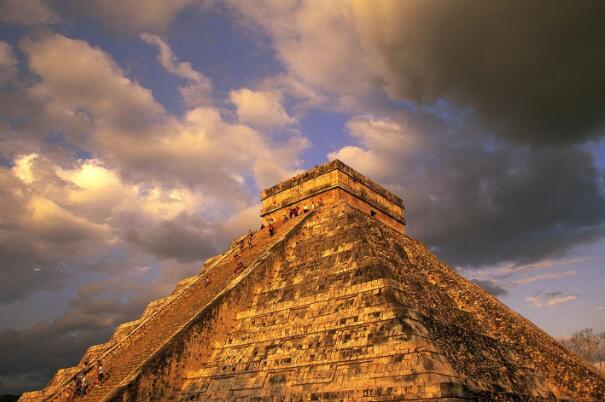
(338, 305)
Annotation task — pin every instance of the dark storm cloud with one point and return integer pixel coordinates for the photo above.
(491, 287)
(31, 356)
(499, 206)
(505, 180)
(185, 238)
(478, 201)
(532, 70)
(24, 270)
(478, 207)
(36, 249)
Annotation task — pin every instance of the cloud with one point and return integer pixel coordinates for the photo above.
(203, 151)
(8, 62)
(491, 287)
(95, 106)
(31, 356)
(40, 235)
(550, 299)
(28, 266)
(260, 109)
(267, 173)
(55, 220)
(88, 87)
(532, 81)
(178, 177)
(130, 17)
(506, 270)
(167, 59)
(186, 238)
(299, 31)
(475, 200)
(26, 12)
(544, 264)
(195, 94)
(379, 137)
(76, 103)
(542, 277)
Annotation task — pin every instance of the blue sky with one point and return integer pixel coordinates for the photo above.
(135, 138)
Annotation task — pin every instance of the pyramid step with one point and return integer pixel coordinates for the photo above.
(164, 317)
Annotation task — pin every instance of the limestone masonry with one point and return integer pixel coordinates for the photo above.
(331, 183)
(338, 305)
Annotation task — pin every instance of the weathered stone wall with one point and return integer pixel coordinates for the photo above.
(330, 184)
(327, 197)
(360, 189)
(369, 209)
(304, 189)
(325, 168)
(485, 340)
(360, 312)
(322, 328)
(163, 378)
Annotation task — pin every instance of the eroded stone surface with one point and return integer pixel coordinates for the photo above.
(357, 311)
(330, 184)
(338, 306)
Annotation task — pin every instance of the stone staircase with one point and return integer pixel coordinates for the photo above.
(126, 358)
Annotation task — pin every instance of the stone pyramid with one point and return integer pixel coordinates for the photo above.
(338, 305)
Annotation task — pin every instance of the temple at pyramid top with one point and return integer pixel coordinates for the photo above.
(331, 183)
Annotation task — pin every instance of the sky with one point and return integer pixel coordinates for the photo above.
(135, 137)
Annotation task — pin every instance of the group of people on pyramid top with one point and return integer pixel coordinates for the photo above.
(296, 210)
(293, 212)
(79, 386)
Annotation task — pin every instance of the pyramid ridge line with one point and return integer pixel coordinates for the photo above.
(114, 342)
(426, 257)
(136, 372)
(142, 320)
(531, 329)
